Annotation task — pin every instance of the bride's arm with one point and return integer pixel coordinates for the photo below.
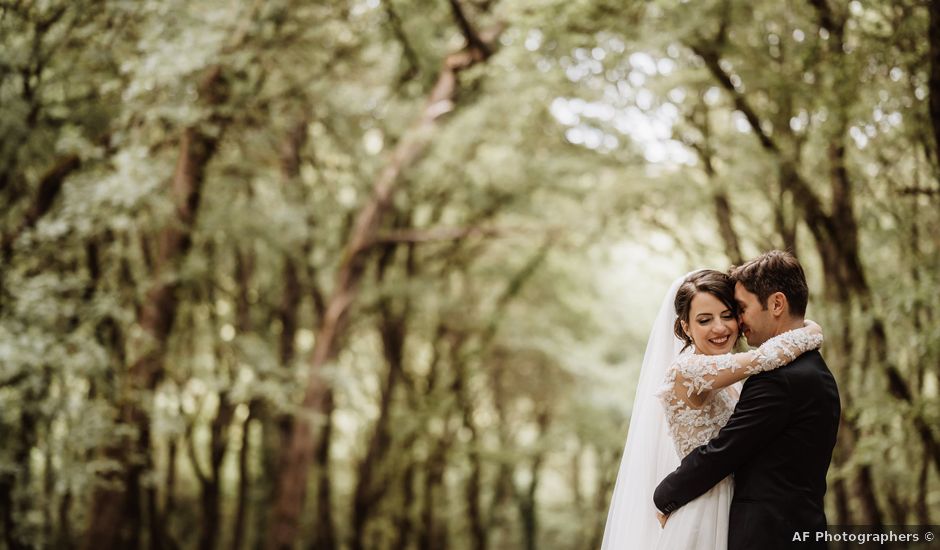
(697, 374)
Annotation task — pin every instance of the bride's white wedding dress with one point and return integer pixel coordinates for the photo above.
(702, 523)
(668, 381)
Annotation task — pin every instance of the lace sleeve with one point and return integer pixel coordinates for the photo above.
(697, 374)
(786, 347)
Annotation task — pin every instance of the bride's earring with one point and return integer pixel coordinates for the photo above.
(685, 330)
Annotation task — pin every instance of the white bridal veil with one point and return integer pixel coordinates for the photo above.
(649, 454)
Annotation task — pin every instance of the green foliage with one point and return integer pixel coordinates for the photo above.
(575, 175)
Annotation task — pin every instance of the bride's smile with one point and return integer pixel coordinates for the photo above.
(712, 325)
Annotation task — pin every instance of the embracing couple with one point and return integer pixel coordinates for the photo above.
(709, 463)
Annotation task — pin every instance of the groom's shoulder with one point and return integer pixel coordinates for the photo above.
(808, 368)
(809, 364)
(811, 358)
(806, 377)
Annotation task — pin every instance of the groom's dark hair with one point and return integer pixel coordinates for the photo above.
(775, 271)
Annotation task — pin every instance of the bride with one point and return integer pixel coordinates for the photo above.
(683, 399)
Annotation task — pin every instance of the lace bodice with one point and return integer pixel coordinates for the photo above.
(692, 425)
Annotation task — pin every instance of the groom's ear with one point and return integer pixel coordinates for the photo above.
(777, 304)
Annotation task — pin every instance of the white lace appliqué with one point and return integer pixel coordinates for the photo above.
(692, 426)
(784, 348)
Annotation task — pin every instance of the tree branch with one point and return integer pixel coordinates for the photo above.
(918, 191)
(710, 57)
(408, 51)
(13, 380)
(191, 448)
(828, 21)
(445, 234)
(820, 223)
(474, 43)
(50, 185)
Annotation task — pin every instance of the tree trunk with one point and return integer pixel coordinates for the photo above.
(6, 509)
(840, 492)
(785, 221)
(725, 228)
(210, 514)
(65, 541)
(155, 516)
(244, 481)
(865, 489)
(170, 502)
(114, 517)
(897, 506)
(212, 482)
(528, 505)
(433, 534)
(720, 201)
(325, 531)
(504, 489)
(16, 494)
(862, 483)
(393, 328)
(603, 490)
(276, 426)
(933, 81)
(921, 510)
(292, 479)
(369, 492)
(271, 442)
(404, 526)
(478, 539)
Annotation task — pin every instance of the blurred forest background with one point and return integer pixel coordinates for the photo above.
(379, 273)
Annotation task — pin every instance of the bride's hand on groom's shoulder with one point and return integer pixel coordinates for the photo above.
(662, 518)
(813, 326)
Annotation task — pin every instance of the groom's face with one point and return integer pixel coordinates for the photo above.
(756, 319)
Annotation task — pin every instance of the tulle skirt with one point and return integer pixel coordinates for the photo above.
(701, 524)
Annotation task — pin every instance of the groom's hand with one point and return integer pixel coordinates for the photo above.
(662, 518)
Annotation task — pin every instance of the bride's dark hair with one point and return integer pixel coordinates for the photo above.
(718, 284)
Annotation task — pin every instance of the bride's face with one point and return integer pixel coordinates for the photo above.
(712, 325)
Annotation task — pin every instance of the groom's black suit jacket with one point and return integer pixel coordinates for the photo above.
(778, 444)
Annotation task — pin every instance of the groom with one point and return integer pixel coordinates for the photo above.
(779, 441)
